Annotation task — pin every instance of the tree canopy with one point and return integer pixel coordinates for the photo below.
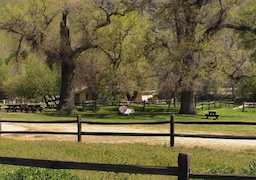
(181, 47)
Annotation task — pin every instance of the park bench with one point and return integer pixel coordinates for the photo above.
(212, 114)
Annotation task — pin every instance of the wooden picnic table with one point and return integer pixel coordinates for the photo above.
(24, 107)
(213, 114)
(12, 107)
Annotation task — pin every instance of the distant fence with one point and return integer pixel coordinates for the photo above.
(144, 104)
(183, 171)
(249, 105)
(214, 104)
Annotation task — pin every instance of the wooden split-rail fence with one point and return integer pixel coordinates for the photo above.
(172, 133)
(183, 171)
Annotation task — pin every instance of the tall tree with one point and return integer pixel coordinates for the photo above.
(190, 23)
(36, 27)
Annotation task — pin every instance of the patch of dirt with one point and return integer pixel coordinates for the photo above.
(187, 142)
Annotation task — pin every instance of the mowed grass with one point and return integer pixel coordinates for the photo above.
(203, 159)
(153, 114)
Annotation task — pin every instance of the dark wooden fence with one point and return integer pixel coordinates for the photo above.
(183, 171)
(207, 135)
(79, 132)
(172, 133)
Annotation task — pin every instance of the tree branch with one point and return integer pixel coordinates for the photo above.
(242, 28)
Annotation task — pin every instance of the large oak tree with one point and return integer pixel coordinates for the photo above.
(190, 24)
(36, 26)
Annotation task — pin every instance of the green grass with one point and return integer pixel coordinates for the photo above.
(203, 159)
(152, 114)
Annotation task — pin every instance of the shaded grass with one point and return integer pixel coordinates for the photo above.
(203, 159)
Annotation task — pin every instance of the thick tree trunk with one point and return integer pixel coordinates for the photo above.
(67, 95)
(67, 101)
(186, 23)
(187, 102)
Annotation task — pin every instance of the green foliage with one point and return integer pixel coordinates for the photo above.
(221, 170)
(36, 173)
(250, 168)
(36, 79)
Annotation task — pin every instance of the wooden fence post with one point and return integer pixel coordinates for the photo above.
(184, 162)
(172, 130)
(0, 125)
(243, 106)
(79, 128)
(144, 105)
(202, 105)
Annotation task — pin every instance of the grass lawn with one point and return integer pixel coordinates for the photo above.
(203, 159)
(151, 114)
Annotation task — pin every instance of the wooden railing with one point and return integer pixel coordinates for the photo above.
(183, 171)
(173, 134)
(79, 132)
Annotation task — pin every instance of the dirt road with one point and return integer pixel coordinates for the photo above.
(188, 142)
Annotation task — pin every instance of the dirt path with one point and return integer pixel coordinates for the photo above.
(188, 142)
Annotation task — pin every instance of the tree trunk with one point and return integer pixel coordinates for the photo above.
(186, 23)
(188, 102)
(67, 95)
(67, 99)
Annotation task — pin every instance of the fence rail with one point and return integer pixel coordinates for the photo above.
(173, 134)
(79, 132)
(157, 170)
(182, 171)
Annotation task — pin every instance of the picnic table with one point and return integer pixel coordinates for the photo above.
(34, 108)
(24, 107)
(12, 107)
(212, 114)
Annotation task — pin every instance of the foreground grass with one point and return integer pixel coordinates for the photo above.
(203, 159)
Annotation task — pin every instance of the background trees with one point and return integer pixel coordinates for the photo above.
(180, 47)
(36, 27)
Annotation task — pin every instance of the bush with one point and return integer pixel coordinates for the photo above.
(36, 173)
